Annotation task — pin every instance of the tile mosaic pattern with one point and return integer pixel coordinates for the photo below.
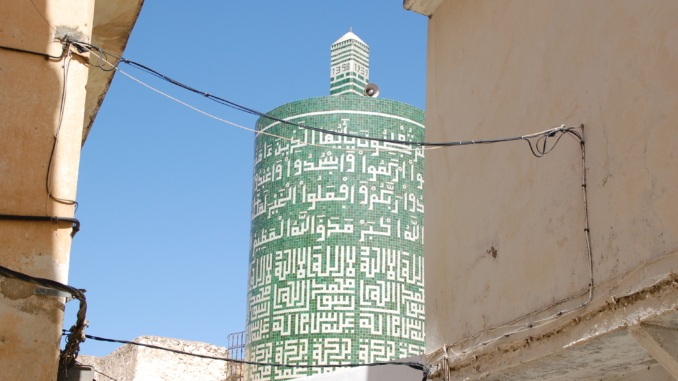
(336, 264)
(350, 66)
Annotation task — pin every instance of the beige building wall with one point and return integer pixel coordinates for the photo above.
(505, 230)
(31, 88)
(30, 95)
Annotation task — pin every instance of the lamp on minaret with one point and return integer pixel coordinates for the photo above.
(350, 66)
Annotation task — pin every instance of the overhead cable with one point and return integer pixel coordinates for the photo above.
(400, 147)
(538, 149)
(411, 364)
(42, 15)
(114, 66)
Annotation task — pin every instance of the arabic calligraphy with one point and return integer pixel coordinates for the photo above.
(336, 258)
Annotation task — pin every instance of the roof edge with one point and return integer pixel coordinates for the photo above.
(111, 29)
(424, 7)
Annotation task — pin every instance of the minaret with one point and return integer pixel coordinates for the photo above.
(350, 60)
(336, 270)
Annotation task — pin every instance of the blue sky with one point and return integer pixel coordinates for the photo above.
(165, 192)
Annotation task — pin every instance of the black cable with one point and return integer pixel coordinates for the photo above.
(74, 221)
(48, 178)
(540, 152)
(66, 45)
(413, 365)
(77, 331)
(36, 53)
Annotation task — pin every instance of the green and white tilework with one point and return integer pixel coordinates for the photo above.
(350, 65)
(336, 264)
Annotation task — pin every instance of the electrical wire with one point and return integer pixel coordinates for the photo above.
(74, 221)
(35, 53)
(43, 16)
(48, 179)
(65, 55)
(76, 333)
(257, 132)
(537, 150)
(293, 140)
(414, 365)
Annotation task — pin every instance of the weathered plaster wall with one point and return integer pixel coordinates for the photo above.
(134, 363)
(505, 229)
(30, 96)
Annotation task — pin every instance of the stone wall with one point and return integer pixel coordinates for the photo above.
(135, 363)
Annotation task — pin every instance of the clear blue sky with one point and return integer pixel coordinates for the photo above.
(165, 192)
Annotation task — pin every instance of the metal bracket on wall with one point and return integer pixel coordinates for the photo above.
(53, 292)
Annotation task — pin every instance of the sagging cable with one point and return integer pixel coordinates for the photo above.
(411, 364)
(76, 333)
(83, 46)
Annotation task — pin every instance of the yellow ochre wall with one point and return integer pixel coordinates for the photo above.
(30, 97)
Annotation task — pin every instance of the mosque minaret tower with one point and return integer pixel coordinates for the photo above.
(336, 272)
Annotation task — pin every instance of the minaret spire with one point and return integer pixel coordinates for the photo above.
(350, 65)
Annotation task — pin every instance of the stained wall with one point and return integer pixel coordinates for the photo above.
(46, 107)
(31, 94)
(505, 230)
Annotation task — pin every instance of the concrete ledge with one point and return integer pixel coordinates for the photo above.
(595, 343)
(424, 7)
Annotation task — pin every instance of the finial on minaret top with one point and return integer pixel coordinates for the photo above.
(350, 65)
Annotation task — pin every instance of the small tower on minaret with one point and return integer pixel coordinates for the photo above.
(350, 62)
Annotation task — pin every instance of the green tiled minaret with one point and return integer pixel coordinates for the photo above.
(350, 65)
(336, 270)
